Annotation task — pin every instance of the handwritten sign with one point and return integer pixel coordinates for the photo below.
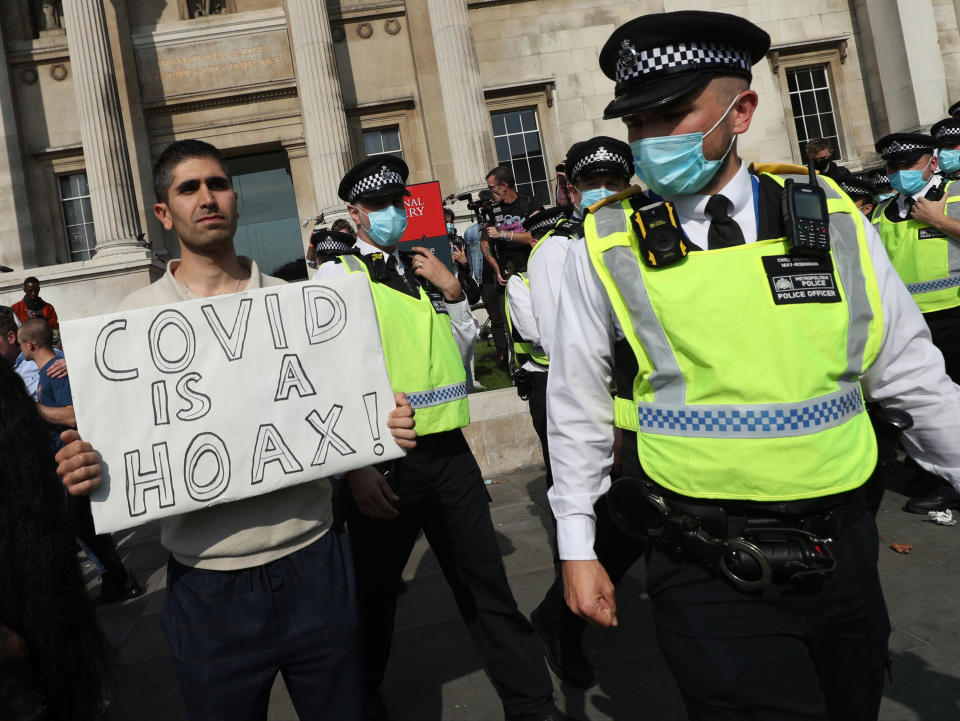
(217, 399)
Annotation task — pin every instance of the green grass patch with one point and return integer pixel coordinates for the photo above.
(485, 367)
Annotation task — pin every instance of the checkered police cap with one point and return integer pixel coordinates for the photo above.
(602, 157)
(544, 221)
(679, 57)
(946, 132)
(378, 181)
(856, 188)
(374, 177)
(904, 147)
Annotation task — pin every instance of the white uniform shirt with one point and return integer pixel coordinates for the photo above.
(908, 374)
(463, 324)
(521, 318)
(903, 209)
(545, 270)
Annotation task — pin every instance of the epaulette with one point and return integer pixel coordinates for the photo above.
(615, 198)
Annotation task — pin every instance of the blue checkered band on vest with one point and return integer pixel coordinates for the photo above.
(633, 63)
(930, 285)
(602, 155)
(384, 176)
(756, 421)
(437, 396)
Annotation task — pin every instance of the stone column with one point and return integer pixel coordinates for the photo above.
(909, 62)
(17, 248)
(468, 121)
(112, 197)
(321, 101)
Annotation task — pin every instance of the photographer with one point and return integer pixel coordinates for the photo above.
(511, 248)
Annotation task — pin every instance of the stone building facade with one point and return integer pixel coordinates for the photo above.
(295, 91)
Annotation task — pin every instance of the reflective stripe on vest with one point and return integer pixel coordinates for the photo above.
(749, 447)
(929, 267)
(410, 328)
(523, 349)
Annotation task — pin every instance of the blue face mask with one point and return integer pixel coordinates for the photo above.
(386, 225)
(595, 195)
(451, 229)
(908, 182)
(884, 196)
(675, 164)
(949, 161)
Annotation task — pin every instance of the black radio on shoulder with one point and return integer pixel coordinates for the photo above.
(662, 240)
(805, 216)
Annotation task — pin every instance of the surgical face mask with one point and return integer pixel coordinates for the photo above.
(949, 161)
(909, 182)
(675, 164)
(595, 195)
(451, 229)
(386, 225)
(884, 196)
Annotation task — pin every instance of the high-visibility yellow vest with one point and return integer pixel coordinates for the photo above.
(736, 396)
(421, 355)
(927, 260)
(522, 347)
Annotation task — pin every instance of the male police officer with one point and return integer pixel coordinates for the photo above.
(947, 134)
(860, 192)
(745, 401)
(427, 329)
(920, 229)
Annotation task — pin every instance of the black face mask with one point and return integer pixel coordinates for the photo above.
(823, 163)
(34, 304)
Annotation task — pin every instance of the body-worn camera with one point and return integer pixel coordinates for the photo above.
(523, 382)
(662, 240)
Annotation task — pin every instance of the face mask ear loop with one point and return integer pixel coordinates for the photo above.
(725, 114)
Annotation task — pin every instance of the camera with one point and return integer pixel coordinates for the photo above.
(482, 208)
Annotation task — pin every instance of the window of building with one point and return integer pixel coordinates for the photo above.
(205, 8)
(382, 141)
(519, 147)
(77, 215)
(812, 106)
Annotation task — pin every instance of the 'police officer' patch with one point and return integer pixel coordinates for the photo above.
(928, 233)
(799, 279)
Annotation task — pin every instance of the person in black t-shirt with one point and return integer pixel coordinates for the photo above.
(511, 245)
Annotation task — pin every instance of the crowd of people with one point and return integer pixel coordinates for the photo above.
(698, 354)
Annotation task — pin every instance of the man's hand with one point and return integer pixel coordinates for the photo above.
(58, 369)
(930, 212)
(500, 279)
(401, 423)
(493, 233)
(78, 465)
(589, 592)
(428, 266)
(372, 493)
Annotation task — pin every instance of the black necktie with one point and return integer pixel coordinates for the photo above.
(724, 232)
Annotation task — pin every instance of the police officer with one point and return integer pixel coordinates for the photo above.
(947, 134)
(860, 192)
(920, 229)
(720, 339)
(597, 169)
(426, 327)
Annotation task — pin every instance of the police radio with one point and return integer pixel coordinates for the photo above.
(662, 241)
(805, 216)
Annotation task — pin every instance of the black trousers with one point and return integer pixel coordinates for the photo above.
(494, 297)
(442, 493)
(538, 413)
(778, 653)
(102, 546)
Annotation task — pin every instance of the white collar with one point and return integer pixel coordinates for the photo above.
(739, 191)
(902, 201)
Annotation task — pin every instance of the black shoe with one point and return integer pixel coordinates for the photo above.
(114, 592)
(564, 655)
(925, 504)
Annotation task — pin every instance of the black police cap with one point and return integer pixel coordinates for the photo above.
(856, 188)
(875, 177)
(954, 110)
(331, 241)
(946, 132)
(599, 155)
(540, 223)
(660, 57)
(374, 177)
(904, 147)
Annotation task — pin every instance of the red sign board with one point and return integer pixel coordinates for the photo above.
(424, 212)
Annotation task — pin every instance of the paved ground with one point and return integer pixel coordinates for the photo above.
(435, 672)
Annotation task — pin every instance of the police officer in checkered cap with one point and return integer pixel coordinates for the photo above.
(740, 370)
(860, 192)
(427, 330)
(947, 134)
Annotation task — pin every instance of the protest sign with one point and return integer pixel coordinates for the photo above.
(217, 399)
(426, 225)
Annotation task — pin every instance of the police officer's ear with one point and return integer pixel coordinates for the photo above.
(355, 214)
(867, 209)
(741, 114)
(934, 164)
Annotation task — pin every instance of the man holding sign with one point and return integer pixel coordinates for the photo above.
(427, 329)
(258, 585)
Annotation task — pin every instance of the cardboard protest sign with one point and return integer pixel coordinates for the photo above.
(217, 399)
(426, 225)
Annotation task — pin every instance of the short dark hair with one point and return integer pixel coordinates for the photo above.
(37, 330)
(815, 145)
(31, 279)
(176, 153)
(342, 225)
(7, 323)
(502, 174)
(448, 214)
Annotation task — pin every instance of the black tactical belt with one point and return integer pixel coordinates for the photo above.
(750, 544)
